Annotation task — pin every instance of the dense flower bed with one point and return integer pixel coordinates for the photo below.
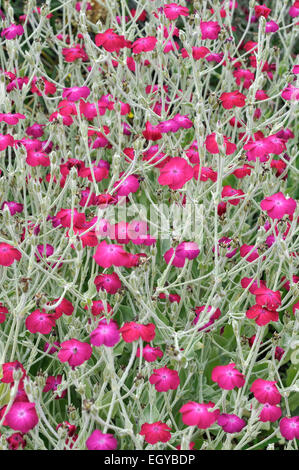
(149, 225)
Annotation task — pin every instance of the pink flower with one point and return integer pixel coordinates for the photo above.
(8, 369)
(212, 145)
(40, 322)
(271, 27)
(175, 173)
(66, 216)
(3, 312)
(246, 249)
(150, 353)
(144, 44)
(261, 315)
(105, 333)
(151, 132)
(36, 130)
(22, 416)
(171, 125)
(165, 379)
(215, 315)
(187, 250)
(268, 298)
(108, 282)
(265, 391)
(8, 254)
(12, 31)
(290, 93)
(155, 432)
(209, 29)
(262, 10)
(6, 140)
(75, 93)
(172, 11)
(278, 205)
(197, 414)
(289, 428)
(228, 191)
(74, 352)
(37, 159)
(108, 255)
(11, 118)
(132, 331)
(233, 99)
(228, 377)
(183, 121)
(13, 207)
(99, 441)
(231, 423)
(279, 352)
(127, 186)
(270, 413)
(245, 281)
(15, 441)
(178, 261)
(110, 41)
(65, 307)
(52, 383)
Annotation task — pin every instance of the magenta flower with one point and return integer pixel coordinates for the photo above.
(261, 315)
(229, 192)
(165, 379)
(228, 377)
(40, 322)
(15, 441)
(8, 369)
(132, 331)
(3, 312)
(175, 173)
(22, 416)
(65, 307)
(233, 99)
(290, 93)
(150, 353)
(187, 250)
(6, 140)
(108, 255)
(262, 10)
(66, 216)
(110, 41)
(74, 352)
(213, 148)
(177, 261)
(75, 93)
(249, 252)
(172, 11)
(144, 44)
(267, 298)
(13, 207)
(11, 118)
(289, 428)
(127, 186)
(12, 31)
(106, 334)
(270, 413)
(231, 423)
(99, 441)
(265, 391)
(209, 29)
(155, 432)
(8, 254)
(52, 383)
(278, 205)
(197, 414)
(271, 27)
(37, 158)
(108, 282)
